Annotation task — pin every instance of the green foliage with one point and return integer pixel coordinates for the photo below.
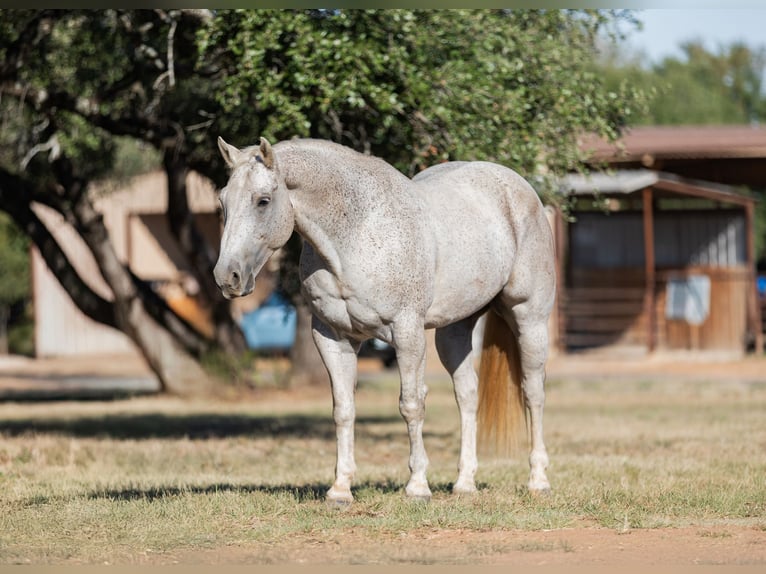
(21, 333)
(14, 263)
(701, 87)
(226, 369)
(414, 86)
(418, 86)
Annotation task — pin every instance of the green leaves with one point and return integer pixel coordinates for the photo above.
(14, 263)
(702, 87)
(420, 86)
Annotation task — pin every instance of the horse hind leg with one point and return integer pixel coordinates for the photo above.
(454, 345)
(531, 331)
(533, 346)
(530, 328)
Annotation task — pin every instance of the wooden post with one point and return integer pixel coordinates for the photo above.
(649, 299)
(560, 250)
(753, 306)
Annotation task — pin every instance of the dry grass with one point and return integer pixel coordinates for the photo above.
(133, 481)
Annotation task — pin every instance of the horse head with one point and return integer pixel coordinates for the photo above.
(257, 214)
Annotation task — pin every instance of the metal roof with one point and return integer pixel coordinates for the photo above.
(626, 182)
(615, 182)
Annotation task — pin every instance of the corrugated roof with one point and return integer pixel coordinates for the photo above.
(625, 182)
(618, 182)
(738, 141)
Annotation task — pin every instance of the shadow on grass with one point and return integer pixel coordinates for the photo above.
(197, 426)
(301, 493)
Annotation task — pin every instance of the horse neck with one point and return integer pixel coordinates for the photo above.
(334, 191)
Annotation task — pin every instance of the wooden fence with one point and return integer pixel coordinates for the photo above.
(602, 307)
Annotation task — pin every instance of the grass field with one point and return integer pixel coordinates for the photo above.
(161, 480)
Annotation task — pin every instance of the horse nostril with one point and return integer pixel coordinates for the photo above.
(234, 278)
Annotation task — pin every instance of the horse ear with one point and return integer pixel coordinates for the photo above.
(231, 155)
(267, 155)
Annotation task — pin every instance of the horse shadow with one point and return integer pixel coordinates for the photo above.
(203, 426)
(302, 493)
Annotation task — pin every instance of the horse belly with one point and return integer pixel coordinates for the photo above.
(462, 292)
(476, 250)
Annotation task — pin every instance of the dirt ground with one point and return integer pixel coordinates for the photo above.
(18, 374)
(713, 544)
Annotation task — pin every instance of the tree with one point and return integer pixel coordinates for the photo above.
(414, 86)
(72, 91)
(420, 86)
(700, 87)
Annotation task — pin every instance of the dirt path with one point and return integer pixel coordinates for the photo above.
(20, 375)
(715, 545)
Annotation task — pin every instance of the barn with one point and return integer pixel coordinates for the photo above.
(653, 261)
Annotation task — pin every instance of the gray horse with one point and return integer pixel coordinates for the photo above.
(386, 256)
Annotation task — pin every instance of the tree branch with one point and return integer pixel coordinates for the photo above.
(44, 101)
(13, 202)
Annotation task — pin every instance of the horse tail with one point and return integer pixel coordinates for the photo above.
(502, 416)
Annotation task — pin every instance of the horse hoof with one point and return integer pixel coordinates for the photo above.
(339, 503)
(419, 498)
(461, 492)
(418, 491)
(339, 499)
(540, 492)
(464, 490)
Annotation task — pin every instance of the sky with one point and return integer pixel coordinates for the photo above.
(665, 30)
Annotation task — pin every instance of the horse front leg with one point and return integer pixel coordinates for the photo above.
(411, 356)
(340, 359)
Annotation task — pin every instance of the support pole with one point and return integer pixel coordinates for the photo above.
(649, 299)
(753, 306)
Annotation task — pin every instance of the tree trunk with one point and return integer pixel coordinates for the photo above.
(306, 367)
(177, 371)
(200, 254)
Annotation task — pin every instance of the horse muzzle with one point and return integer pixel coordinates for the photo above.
(233, 282)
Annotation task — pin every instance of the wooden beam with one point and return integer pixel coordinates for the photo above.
(649, 299)
(688, 189)
(753, 307)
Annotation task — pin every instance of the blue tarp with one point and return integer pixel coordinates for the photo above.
(762, 285)
(271, 326)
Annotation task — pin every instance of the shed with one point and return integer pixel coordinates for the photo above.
(656, 261)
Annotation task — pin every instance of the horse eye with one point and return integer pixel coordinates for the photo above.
(263, 202)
